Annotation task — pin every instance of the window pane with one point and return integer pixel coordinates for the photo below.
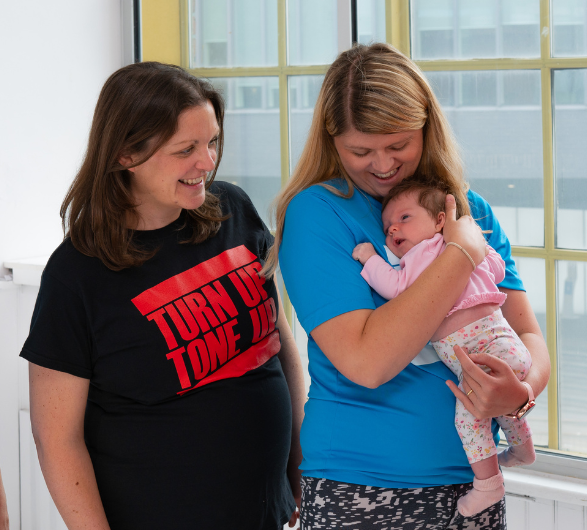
(521, 87)
(572, 363)
(477, 24)
(433, 29)
(311, 31)
(465, 29)
(533, 274)
(497, 119)
(371, 21)
(303, 93)
(570, 131)
(520, 27)
(228, 33)
(569, 28)
(251, 157)
(478, 89)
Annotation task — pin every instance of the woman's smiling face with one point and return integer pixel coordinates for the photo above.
(377, 162)
(174, 177)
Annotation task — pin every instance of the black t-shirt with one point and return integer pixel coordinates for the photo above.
(188, 419)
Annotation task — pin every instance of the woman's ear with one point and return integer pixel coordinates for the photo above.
(126, 160)
(440, 220)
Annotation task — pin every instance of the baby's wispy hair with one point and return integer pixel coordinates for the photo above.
(431, 194)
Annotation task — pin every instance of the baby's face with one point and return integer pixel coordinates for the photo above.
(406, 224)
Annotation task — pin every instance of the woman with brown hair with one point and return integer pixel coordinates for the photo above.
(379, 445)
(162, 370)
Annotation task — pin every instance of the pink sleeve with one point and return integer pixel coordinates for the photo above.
(383, 278)
(390, 282)
(496, 265)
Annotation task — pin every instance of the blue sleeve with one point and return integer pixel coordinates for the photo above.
(483, 214)
(321, 277)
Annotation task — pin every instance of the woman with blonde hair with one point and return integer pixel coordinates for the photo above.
(377, 388)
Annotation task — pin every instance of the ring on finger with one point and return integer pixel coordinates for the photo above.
(469, 392)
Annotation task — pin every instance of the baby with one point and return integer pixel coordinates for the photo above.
(413, 218)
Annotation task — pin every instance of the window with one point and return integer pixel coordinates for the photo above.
(512, 79)
(519, 116)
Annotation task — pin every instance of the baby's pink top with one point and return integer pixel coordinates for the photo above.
(481, 289)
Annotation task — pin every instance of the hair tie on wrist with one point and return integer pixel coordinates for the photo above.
(464, 252)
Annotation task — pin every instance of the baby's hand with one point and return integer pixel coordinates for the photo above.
(363, 251)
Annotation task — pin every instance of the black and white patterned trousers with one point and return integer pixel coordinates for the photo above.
(327, 504)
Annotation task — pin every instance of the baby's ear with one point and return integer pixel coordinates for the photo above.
(440, 220)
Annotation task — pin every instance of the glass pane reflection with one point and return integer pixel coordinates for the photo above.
(572, 367)
(225, 33)
(467, 29)
(533, 274)
(251, 157)
(311, 31)
(302, 96)
(497, 119)
(370, 21)
(570, 131)
(569, 28)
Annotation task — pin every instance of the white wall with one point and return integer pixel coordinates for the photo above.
(54, 59)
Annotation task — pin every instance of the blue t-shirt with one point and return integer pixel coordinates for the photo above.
(402, 434)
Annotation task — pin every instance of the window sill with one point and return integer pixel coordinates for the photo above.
(27, 271)
(532, 485)
(561, 464)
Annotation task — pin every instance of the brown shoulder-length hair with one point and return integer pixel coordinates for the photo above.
(377, 90)
(137, 112)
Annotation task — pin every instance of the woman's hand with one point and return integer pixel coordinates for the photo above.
(464, 232)
(520, 316)
(488, 395)
(295, 479)
(363, 251)
(499, 392)
(3, 508)
(292, 369)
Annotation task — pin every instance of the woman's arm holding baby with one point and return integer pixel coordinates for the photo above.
(371, 346)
